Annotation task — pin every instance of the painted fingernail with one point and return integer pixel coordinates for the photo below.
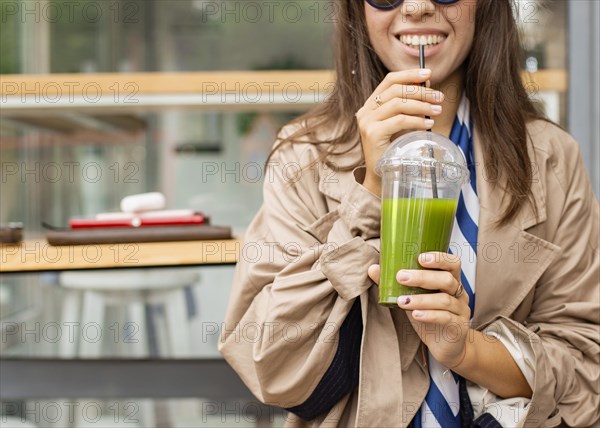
(403, 276)
(425, 71)
(427, 258)
(436, 109)
(429, 123)
(418, 314)
(403, 300)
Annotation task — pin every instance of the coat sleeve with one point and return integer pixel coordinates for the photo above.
(564, 321)
(300, 271)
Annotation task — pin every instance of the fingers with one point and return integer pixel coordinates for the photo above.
(438, 302)
(404, 85)
(397, 106)
(398, 114)
(442, 273)
(374, 273)
(429, 280)
(403, 122)
(442, 261)
(438, 317)
(414, 76)
(405, 99)
(411, 92)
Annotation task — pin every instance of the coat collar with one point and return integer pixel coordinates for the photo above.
(510, 260)
(491, 194)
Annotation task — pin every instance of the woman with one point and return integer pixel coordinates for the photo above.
(520, 347)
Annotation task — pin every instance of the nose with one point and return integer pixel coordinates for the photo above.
(417, 9)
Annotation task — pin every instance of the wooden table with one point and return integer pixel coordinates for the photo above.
(34, 378)
(39, 256)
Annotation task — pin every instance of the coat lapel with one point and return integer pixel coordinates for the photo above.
(509, 259)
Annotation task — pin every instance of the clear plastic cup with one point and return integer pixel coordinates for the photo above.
(422, 173)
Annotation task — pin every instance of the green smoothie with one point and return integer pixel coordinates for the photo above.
(409, 227)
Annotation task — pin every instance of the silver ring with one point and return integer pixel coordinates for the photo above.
(460, 290)
(378, 101)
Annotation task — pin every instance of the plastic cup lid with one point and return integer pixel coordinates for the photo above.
(425, 148)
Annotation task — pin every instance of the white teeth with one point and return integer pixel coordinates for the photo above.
(416, 41)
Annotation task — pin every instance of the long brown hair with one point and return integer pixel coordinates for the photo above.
(500, 105)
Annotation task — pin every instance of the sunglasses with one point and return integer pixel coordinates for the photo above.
(392, 4)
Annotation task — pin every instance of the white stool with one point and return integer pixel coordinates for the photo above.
(89, 295)
(132, 290)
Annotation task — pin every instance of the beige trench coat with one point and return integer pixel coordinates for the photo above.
(305, 260)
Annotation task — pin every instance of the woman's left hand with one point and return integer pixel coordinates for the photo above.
(440, 319)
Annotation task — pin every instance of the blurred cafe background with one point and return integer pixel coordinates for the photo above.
(107, 98)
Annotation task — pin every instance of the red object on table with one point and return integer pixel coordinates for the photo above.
(138, 221)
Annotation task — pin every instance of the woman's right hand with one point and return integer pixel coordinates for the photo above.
(403, 105)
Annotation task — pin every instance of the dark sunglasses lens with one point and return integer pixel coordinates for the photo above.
(390, 4)
(385, 4)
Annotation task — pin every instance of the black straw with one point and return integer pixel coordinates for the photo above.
(433, 174)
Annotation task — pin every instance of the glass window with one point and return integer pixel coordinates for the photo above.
(10, 40)
(71, 163)
(190, 35)
(543, 27)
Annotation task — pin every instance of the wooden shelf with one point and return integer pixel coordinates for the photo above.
(224, 90)
(39, 256)
(220, 90)
(547, 81)
(162, 83)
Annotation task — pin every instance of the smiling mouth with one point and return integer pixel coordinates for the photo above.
(414, 41)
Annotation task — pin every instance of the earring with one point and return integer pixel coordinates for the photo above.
(355, 65)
